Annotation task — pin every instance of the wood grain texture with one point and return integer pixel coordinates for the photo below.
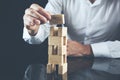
(57, 19)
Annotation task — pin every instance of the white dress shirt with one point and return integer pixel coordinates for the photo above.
(97, 24)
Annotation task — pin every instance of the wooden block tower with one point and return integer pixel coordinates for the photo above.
(57, 45)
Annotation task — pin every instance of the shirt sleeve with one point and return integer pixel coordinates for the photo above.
(54, 7)
(110, 49)
(42, 34)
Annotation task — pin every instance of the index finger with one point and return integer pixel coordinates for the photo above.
(41, 11)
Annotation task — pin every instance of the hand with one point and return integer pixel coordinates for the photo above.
(77, 49)
(34, 16)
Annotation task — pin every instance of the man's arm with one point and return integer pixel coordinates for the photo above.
(36, 28)
(110, 49)
(75, 48)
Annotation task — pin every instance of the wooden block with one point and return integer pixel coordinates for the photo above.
(56, 50)
(53, 31)
(50, 68)
(65, 58)
(55, 59)
(62, 68)
(57, 19)
(52, 50)
(58, 31)
(62, 31)
(62, 50)
(55, 40)
(64, 76)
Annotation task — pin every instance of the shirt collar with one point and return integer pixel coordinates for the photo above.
(96, 3)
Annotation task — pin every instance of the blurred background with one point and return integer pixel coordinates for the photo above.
(15, 54)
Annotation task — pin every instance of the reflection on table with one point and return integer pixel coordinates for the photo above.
(78, 69)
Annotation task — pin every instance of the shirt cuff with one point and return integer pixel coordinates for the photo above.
(39, 37)
(100, 49)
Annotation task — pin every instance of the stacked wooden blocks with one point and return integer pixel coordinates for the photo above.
(57, 45)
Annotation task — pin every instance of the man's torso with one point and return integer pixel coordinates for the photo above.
(91, 23)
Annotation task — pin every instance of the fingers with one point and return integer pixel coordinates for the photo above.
(73, 49)
(41, 11)
(35, 15)
(30, 21)
(73, 54)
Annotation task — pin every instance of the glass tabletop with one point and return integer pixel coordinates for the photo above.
(78, 69)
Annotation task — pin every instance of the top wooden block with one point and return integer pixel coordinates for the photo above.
(57, 19)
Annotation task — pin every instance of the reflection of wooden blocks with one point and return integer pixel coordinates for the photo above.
(64, 76)
(57, 19)
(55, 40)
(62, 68)
(58, 31)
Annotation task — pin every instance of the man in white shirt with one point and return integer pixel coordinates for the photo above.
(93, 25)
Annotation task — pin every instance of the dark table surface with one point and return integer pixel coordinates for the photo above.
(79, 69)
